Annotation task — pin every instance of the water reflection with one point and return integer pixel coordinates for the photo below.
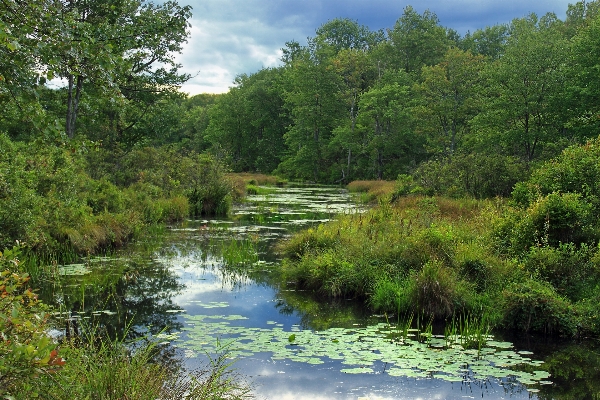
(126, 298)
(222, 268)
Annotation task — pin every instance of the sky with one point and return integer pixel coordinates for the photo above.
(233, 37)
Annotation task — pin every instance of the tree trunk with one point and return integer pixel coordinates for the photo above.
(73, 105)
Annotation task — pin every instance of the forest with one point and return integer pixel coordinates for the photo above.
(490, 139)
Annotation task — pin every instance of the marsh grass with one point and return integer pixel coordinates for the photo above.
(372, 191)
(243, 183)
(403, 255)
(471, 332)
(104, 369)
(239, 252)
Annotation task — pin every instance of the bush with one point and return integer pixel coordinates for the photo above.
(25, 349)
(534, 306)
(570, 270)
(588, 312)
(474, 175)
(576, 170)
(436, 290)
(206, 188)
(549, 221)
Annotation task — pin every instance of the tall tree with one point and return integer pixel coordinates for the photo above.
(27, 30)
(418, 40)
(522, 84)
(386, 118)
(583, 91)
(122, 49)
(358, 74)
(489, 42)
(343, 34)
(448, 94)
(311, 94)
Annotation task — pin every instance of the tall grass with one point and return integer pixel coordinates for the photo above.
(370, 191)
(103, 369)
(239, 252)
(424, 255)
(247, 183)
(471, 332)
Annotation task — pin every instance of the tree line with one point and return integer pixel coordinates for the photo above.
(463, 114)
(415, 99)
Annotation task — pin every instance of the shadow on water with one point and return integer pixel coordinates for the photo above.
(211, 282)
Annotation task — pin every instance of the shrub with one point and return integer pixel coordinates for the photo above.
(534, 306)
(25, 349)
(475, 175)
(549, 221)
(576, 170)
(570, 270)
(104, 196)
(436, 290)
(589, 313)
(206, 188)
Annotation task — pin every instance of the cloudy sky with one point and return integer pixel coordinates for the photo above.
(230, 37)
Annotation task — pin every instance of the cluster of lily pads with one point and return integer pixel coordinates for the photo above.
(360, 350)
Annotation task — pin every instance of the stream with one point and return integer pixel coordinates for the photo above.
(206, 287)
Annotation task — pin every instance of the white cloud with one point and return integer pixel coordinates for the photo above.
(232, 37)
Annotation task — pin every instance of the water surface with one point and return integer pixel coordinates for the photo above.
(207, 286)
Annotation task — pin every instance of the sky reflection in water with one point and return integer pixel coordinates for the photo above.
(211, 292)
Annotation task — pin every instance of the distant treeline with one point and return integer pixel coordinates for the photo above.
(417, 98)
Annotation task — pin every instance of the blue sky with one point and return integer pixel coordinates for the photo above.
(230, 37)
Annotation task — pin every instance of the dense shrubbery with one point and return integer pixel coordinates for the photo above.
(62, 199)
(25, 349)
(529, 264)
(415, 256)
(473, 175)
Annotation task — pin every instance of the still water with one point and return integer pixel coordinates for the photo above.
(208, 286)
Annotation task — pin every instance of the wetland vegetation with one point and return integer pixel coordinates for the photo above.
(369, 207)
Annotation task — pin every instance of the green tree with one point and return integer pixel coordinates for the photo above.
(448, 95)
(358, 73)
(518, 111)
(385, 116)
(344, 34)
(121, 49)
(489, 42)
(583, 91)
(311, 93)
(418, 40)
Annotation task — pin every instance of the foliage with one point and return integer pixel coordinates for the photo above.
(575, 170)
(371, 191)
(26, 352)
(50, 201)
(119, 370)
(397, 257)
(534, 306)
(476, 175)
(551, 221)
(437, 291)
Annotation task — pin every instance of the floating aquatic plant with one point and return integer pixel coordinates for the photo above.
(366, 350)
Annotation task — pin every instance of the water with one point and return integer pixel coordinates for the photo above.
(208, 286)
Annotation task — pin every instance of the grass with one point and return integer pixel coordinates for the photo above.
(370, 191)
(98, 368)
(469, 331)
(242, 252)
(442, 257)
(424, 255)
(247, 182)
